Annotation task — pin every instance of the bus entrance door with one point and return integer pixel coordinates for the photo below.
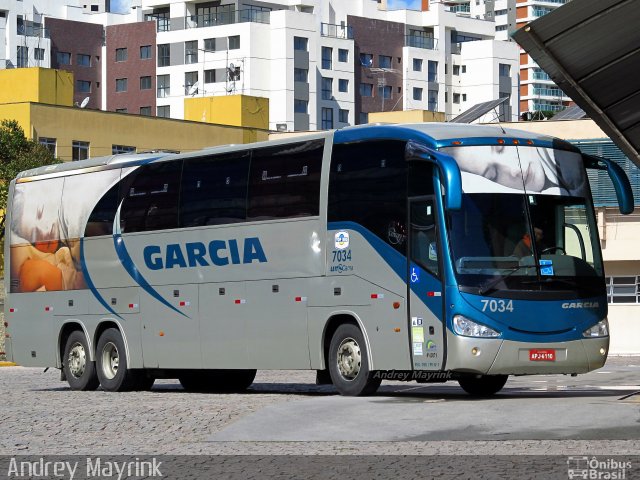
(424, 286)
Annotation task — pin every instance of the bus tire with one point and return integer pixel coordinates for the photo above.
(349, 362)
(78, 370)
(217, 381)
(111, 363)
(482, 385)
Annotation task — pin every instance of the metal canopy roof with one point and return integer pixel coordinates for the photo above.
(591, 49)
(574, 112)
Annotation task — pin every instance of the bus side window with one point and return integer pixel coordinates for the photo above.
(284, 181)
(214, 190)
(151, 200)
(100, 220)
(368, 186)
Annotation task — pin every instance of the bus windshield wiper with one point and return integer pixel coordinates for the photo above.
(491, 284)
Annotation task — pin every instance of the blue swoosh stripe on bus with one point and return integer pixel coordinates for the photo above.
(133, 271)
(90, 284)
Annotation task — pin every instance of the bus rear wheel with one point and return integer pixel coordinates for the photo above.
(78, 369)
(217, 381)
(482, 385)
(349, 362)
(111, 363)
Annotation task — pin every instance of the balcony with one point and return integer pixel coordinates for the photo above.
(541, 76)
(336, 31)
(428, 43)
(227, 18)
(36, 31)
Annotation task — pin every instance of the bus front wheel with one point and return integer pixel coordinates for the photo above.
(78, 369)
(482, 385)
(349, 362)
(111, 363)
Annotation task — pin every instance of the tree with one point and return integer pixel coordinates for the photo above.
(17, 153)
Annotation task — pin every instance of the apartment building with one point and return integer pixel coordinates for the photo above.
(320, 63)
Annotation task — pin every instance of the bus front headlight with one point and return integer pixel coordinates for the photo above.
(468, 328)
(600, 329)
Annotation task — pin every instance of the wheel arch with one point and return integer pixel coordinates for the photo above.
(67, 328)
(333, 322)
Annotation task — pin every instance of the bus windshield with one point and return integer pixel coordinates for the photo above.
(506, 242)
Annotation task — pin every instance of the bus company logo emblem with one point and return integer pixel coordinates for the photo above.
(342, 240)
(581, 305)
(431, 345)
(396, 233)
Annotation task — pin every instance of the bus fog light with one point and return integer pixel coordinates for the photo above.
(468, 328)
(602, 351)
(475, 351)
(600, 329)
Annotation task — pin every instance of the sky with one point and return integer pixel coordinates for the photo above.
(402, 4)
(120, 6)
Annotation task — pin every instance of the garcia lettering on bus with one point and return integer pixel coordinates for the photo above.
(217, 253)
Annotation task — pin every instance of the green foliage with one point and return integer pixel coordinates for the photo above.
(17, 153)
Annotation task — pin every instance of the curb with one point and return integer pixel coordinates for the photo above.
(8, 364)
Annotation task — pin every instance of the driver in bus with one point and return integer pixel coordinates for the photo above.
(524, 246)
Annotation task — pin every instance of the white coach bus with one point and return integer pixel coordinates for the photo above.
(432, 251)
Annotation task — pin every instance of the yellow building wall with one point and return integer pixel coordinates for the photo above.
(407, 116)
(104, 129)
(238, 110)
(41, 85)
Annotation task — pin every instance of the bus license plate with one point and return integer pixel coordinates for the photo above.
(542, 355)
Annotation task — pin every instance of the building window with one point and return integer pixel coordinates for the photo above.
(417, 64)
(456, 69)
(163, 55)
(432, 71)
(121, 54)
(49, 144)
(464, 69)
(327, 88)
(118, 149)
(343, 55)
(343, 116)
(327, 53)
(84, 60)
(164, 111)
(327, 118)
(384, 91)
(191, 52)
(38, 53)
(456, 98)
(163, 86)
(623, 289)
(300, 75)
(64, 58)
(145, 111)
(121, 84)
(432, 104)
(190, 79)
(79, 150)
(23, 57)
(210, 44)
(301, 43)
(504, 69)
(364, 118)
(384, 61)
(234, 42)
(145, 83)
(300, 106)
(145, 52)
(343, 85)
(464, 97)
(210, 76)
(366, 90)
(366, 60)
(121, 110)
(417, 93)
(83, 86)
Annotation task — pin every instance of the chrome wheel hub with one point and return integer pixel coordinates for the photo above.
(349, 359)
(110, 360)
(77, 360)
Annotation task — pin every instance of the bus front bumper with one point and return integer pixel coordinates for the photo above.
(507, 357)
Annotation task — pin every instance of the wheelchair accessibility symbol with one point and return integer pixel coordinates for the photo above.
(414, 275)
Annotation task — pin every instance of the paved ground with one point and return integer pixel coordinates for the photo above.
(285, 413)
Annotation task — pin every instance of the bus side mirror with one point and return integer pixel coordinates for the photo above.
(448, 168)
(621, 184)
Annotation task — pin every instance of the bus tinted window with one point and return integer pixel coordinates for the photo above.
(214, 190)
(151, 199)
(284, 181)
(368, 185)
(101, 218)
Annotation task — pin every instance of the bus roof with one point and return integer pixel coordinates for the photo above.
(435, 134)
